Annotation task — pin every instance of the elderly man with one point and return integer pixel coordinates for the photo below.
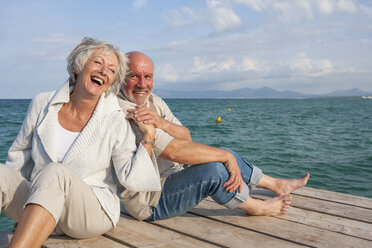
(219, 173)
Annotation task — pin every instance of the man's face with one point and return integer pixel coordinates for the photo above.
(139, 80)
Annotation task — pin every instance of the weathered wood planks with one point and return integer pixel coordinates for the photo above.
(317, 218)
(146, 234)
(97, 242)
(221, 233)
(279, 228)
(344, 199)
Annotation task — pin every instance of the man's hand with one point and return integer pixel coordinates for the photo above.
(147, 116)
(235, 181)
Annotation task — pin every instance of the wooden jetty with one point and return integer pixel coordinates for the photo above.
(317, 218)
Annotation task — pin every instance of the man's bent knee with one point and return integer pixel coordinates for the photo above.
(213, 169)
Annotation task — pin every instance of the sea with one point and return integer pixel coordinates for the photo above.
(331, 138)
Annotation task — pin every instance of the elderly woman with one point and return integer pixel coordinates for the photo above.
(57, 177)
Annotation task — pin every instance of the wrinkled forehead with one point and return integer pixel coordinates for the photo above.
(141, 65)
(102, 51)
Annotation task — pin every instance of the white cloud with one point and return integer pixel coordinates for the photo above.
(201, 66)
(183, 17)
(223, 18)
(229, 64)
(257, 5)
(219, 70)
(346, 6)
(138, 4)
(167, 73)
(250, 64)
(218, 14)
(294, 10)
(326, 7)
(302, 65)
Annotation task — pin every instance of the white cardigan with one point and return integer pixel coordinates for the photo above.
(106, 140)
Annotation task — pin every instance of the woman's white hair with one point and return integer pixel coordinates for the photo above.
(79, 56)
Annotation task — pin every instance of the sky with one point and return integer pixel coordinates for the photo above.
(308, 46)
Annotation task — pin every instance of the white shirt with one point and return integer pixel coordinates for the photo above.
(65, 140)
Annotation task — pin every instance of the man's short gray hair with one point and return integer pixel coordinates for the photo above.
(79, 56)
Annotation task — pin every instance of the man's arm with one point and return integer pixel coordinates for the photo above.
(188, 152)
(150, 116)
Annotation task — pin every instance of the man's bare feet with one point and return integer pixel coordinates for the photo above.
(271, 207)
(287, 186)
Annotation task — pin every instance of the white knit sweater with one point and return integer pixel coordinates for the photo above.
(106, 140)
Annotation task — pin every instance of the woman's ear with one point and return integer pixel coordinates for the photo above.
(76, 74)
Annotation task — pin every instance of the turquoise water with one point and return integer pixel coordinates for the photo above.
(12, 113)
(330, 138)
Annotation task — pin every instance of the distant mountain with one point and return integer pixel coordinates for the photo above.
(264, 92)
(351, 92)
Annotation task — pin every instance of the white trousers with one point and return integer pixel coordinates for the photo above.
(57, 189)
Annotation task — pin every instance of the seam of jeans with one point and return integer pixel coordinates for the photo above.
(189, 187)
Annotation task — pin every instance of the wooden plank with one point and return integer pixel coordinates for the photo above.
(332, 208)
(329, 222)
(335, 197)
(223, 234)
(67, 242)
(328, 207)
(281, 228)
(144, 234)
(326, 195)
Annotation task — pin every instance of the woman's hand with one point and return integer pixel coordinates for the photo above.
(148, 130)
(147, 116)
(235, 181)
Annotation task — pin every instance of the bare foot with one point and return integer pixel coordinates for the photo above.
(271, 207)
(287, 186)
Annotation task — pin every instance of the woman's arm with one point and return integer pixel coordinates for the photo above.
(134, 167)
(19, 154)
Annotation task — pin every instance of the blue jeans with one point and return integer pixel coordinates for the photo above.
(184, 190)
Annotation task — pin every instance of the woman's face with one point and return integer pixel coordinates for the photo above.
(98, 73)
